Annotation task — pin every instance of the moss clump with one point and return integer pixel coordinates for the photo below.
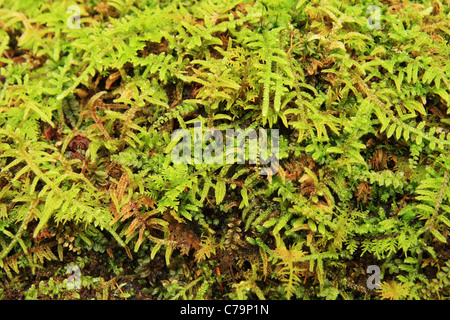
(93, 91)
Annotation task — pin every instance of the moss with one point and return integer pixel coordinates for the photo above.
(359, 94)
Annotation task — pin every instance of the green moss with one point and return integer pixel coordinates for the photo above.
(87, 114)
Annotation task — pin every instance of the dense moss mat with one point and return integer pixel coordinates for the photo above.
(92, 204)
